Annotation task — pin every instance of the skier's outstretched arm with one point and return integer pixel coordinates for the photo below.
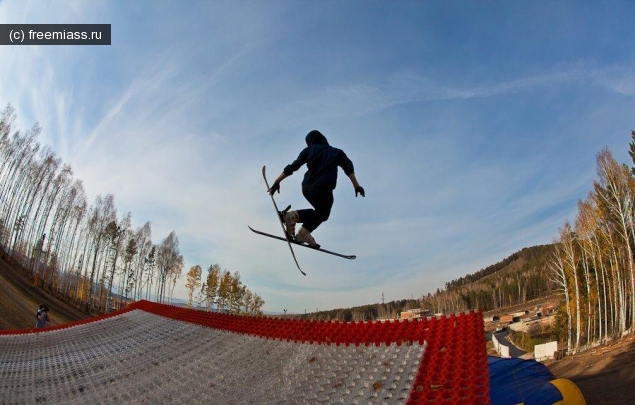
(276, 184)
(358, 189)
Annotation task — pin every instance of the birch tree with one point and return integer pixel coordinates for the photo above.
(614, 189)
(103, 212)
(224, 290)
(212, 284)
(561, 279)
(168, 261)
(193, 282)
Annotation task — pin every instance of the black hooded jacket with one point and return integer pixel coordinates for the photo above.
(322, 161)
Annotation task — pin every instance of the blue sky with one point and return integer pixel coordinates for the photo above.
(473, 127)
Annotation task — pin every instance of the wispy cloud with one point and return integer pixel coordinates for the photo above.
(356, 99)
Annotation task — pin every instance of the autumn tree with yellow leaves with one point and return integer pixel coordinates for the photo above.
(593, 263)
(224, 292)
(193, 282)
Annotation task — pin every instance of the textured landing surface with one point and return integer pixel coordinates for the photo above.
(153, 353)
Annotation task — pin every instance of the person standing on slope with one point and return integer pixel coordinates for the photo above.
(42, 316)
(322, 161)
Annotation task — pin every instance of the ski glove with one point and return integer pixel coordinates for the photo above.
(274, 187)
(360, 190)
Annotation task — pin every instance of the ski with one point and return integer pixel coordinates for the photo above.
(284, 231)
(349, 257)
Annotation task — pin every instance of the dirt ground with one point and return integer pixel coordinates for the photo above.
(20, 299)
(605, 375)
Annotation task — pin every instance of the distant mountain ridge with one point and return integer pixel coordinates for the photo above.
(518, 278)
(535, 257)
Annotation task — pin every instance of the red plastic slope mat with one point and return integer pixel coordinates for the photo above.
(453, 368)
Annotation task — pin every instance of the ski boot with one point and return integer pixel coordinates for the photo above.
(304, 236)
(289, 219)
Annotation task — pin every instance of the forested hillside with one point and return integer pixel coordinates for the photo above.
(521, 277)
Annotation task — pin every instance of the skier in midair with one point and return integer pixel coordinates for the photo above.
(322, 161)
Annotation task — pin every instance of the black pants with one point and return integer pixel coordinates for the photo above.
(322, 201)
